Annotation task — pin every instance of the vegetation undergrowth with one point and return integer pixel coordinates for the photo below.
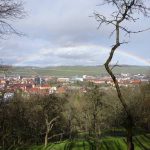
(142, 142)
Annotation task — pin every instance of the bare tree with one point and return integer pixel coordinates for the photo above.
(51, 109)
(10, 10)
(124, 11)
(49, 126)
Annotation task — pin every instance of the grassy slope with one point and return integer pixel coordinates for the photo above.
(110, 143)
(76, 70)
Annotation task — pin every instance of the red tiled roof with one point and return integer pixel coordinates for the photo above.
(61, 90)
(136, 81)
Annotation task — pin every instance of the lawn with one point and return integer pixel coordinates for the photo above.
(141, 142)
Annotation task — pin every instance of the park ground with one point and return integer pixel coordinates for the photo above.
(141, 142)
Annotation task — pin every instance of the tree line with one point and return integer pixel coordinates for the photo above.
(29, 120)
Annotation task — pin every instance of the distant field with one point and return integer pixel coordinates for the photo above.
(76, 70)
(109, 143)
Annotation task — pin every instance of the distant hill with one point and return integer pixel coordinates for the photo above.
(76, 70)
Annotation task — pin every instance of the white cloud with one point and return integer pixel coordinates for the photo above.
(79, 55)
(62, 33)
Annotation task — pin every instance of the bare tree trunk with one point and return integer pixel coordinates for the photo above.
(127, 111)
(49, 126)
(129, 130)
(130, 144)
(120, 96)
(46, 139)
(125, 10)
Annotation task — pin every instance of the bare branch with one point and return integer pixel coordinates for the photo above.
(116, 65)
(10, 10)
(124, 12)
(55, 135)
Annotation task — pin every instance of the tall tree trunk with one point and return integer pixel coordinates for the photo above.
(49, 126)
(130, 144)
(125, 10)
(46, 139)
(47, 130)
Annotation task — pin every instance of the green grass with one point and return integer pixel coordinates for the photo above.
(141, 142)
(76, 70)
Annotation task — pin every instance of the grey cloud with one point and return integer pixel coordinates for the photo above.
(61, 21)
(61, 32)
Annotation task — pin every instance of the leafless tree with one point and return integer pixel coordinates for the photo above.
(124, 11)
(10, 10)
(49, 126)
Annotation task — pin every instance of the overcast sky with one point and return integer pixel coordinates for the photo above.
(60, 32)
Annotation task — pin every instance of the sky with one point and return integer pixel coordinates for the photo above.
(61, 32)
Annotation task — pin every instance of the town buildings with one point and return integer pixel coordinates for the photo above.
(59, 85)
